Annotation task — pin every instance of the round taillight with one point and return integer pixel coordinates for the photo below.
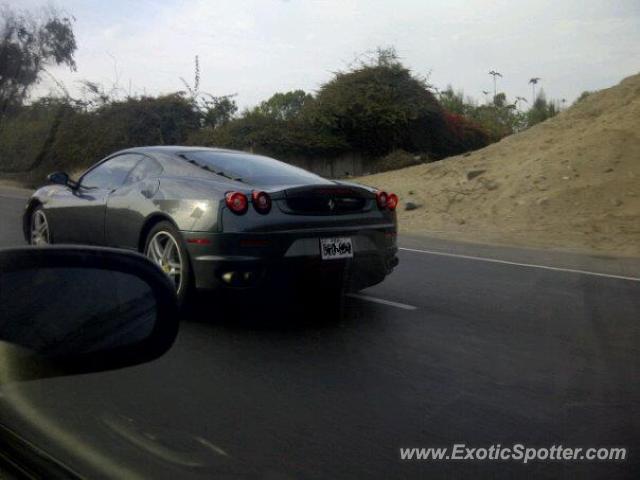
(261, 202)
(382, 199)
(392, 201)
(237, 202)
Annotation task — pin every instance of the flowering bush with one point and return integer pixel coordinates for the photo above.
(461, 134)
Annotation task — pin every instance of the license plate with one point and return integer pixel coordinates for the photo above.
(338, 247)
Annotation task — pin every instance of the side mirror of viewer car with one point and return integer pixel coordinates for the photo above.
(68, 310)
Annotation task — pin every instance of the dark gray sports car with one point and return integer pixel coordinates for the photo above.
(222, 218)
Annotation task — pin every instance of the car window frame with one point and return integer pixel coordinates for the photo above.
(102, 162)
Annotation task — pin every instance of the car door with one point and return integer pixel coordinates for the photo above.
(82, 217)
(130, 204)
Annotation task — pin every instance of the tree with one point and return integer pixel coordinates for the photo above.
(534, 81)
(519, 99)
(94, 94)
(28, 45)
(285, 106)
(500, 100)
(499, 119)
(541, 110)
(379, 106)
(215, 110)
(195, 90)
(495, 74)
(452, 101)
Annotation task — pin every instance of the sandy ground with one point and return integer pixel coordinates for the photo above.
(572, 182)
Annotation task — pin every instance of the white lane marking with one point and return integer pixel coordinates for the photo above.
(530, 265)
(367, 298)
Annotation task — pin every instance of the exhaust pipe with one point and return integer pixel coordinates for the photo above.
(239, 278)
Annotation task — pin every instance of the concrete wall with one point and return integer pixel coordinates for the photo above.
(353, 164)
(346, 165)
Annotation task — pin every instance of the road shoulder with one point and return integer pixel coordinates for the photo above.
(13, 190)
(544, 257)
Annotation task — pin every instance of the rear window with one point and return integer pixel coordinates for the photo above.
(254, 169)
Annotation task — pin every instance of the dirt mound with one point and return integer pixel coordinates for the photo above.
(570, 182)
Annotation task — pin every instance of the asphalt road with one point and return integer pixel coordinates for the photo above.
(530, 347)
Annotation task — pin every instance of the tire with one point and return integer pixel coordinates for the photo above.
(165, 235)
(39, 228)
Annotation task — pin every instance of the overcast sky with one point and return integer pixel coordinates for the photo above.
(254, 48)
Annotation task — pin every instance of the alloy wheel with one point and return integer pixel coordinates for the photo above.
(39, 229)
(163, 249)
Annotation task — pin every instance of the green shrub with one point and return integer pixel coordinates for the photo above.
(27, 135)
(371, 110)
(284, 138)
(59, 134)
(541, 110)
(582, 96)
(377, 108)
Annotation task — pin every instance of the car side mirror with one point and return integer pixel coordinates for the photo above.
(68, 310)
(58, 178)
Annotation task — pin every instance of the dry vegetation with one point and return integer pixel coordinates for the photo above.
(571, 182)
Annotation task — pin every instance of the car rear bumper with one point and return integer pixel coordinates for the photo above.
(249, 260)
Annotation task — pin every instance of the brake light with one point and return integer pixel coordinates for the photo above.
(237, 202)
(381, 199)
(392, 201)
(261, 202)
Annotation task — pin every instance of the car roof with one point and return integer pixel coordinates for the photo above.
(176, 149)
(168, 155)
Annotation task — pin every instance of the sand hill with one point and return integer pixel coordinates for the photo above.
(570, 182)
